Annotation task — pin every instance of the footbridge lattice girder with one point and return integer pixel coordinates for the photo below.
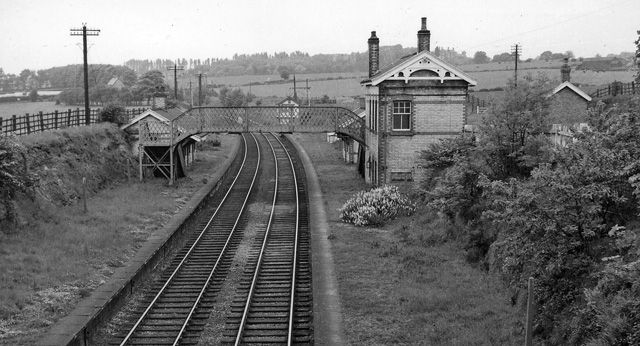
(203, 120)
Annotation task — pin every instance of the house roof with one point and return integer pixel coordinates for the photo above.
(572, 87)
(289, 100)
(113, 81)
(164, 115)
(421, 61)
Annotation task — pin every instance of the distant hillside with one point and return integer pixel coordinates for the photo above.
(268, 64)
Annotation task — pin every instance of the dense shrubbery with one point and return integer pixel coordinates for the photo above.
(114, 113)
(566, 216)
(376, 206)
(14, 177)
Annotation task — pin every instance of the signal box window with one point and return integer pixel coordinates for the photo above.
(401, 115)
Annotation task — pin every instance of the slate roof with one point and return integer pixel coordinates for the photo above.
(572, 87)
(164, 115)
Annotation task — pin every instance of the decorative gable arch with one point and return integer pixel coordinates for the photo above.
(422, 66)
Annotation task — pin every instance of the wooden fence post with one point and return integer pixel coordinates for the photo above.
(633, 87)
(13, 128)
(68, 117)
(78, 116)
(55, 119)
(0, 125)
(40, 115)
(28, 124)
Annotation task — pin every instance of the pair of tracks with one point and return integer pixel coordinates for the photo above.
(273, 303)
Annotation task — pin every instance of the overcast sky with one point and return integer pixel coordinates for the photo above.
(35, 34)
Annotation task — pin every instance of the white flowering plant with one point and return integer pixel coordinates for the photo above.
(376, 206)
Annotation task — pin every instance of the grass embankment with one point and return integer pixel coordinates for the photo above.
(404, 283)
(59, 254)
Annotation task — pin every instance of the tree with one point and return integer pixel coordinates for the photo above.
(503, 57)
(480, 57)
(151, 83)
(637, 42)
(113, 113)
(234, 98)
(512, 132)
(284, 72)
(33, 95)
(546, 55)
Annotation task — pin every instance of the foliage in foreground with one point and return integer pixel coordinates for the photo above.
(14, 177)
(566, 216)
(376, 206)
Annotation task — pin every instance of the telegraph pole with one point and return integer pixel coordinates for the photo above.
(84, 32)
(295, 88)
(175, 70)
(516, 50)
(200, 89)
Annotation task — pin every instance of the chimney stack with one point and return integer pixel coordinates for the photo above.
(424, 37)
(565, 71)
(374, 54)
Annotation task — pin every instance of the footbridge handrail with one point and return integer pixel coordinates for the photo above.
(288, 119)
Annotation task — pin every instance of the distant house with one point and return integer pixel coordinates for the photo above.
(568, 103)
(116, 83)
(291, 112)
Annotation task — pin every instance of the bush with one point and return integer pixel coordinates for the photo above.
(114, 114)
(14, 176)
(376, 206)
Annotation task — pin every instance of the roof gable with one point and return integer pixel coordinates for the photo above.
(163, 115)
(147, 113)
(571, 87)
(420, 66)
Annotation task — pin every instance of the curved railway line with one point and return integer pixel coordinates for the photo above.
(273, 303)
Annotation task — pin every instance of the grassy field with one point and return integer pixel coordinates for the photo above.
(332, 88)
(402, 284)
(62, 254)
(235, 81)
(7, 109)
(488, 77)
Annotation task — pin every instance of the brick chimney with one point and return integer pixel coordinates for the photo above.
(424, 37)
(374, 54)
(565, 71)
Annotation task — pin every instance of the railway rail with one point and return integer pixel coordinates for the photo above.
(273, 303)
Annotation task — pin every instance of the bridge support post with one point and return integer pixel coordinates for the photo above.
(140, 158)
(246, 120)
(171, 168)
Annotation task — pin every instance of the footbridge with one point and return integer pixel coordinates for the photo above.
(161, 141)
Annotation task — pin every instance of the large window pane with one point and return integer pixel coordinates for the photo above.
(401, 115)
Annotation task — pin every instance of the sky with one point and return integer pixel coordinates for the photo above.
(35, 34)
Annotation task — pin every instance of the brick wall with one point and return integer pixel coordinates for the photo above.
(437, 112)
(567, 107)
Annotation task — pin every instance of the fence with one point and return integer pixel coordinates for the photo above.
(475, 105)
(616, 88)
(31, 123)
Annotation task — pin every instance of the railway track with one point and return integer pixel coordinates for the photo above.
(273, 304)
(275, 292)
